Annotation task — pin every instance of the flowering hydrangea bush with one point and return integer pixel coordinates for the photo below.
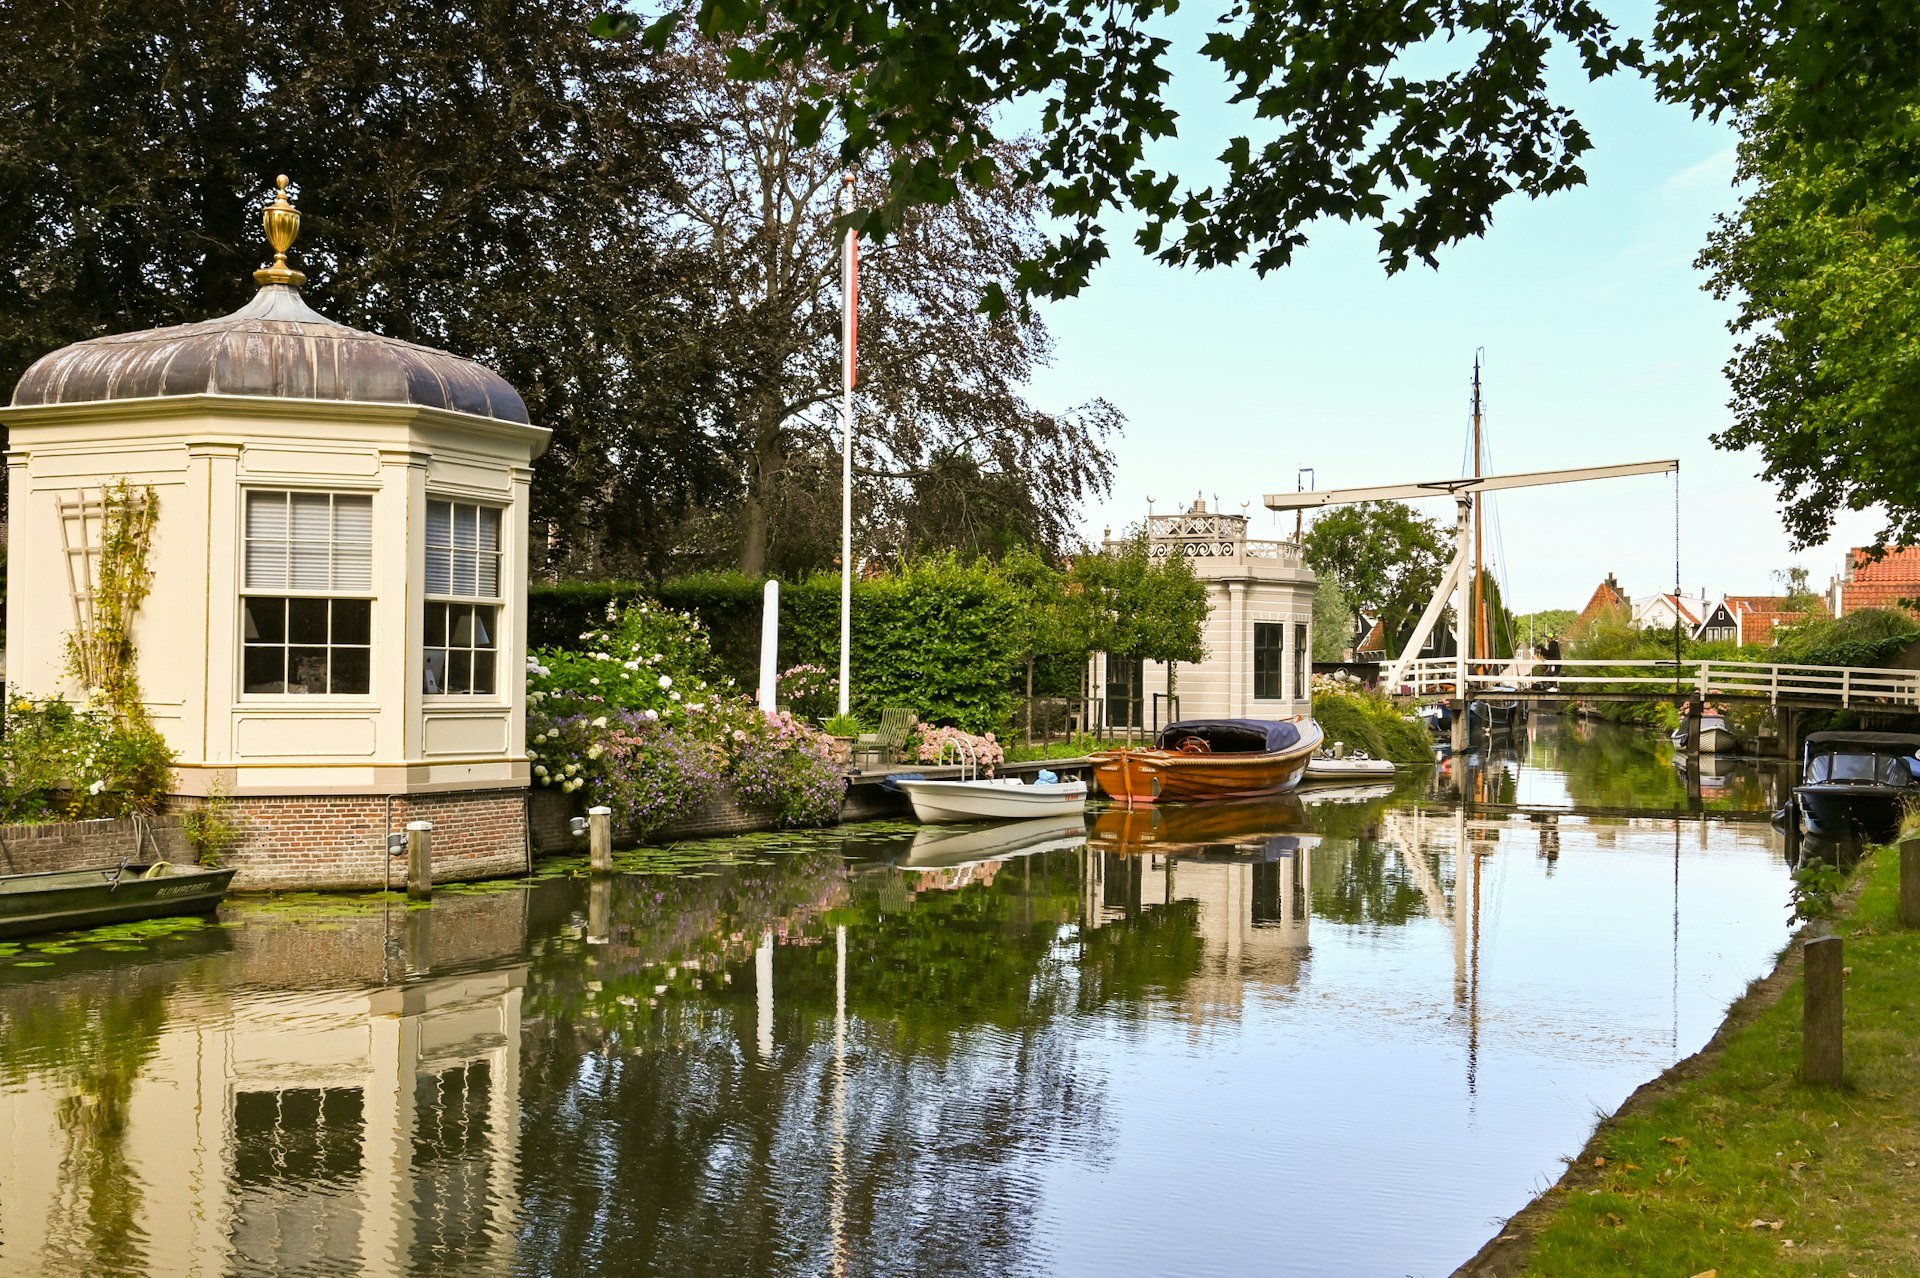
(645, 658)
(632, 720)
(783, 766)
(633, 761)
(808, 691)
(986, 751)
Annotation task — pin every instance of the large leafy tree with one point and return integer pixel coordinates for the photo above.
(488, 179)
(1387, 557)
(1825, 378)
(948, 451)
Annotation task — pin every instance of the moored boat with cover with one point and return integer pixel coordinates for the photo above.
(1857, 784)
(1211, 759)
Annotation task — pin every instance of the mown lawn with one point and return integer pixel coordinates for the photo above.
(1743, 1170)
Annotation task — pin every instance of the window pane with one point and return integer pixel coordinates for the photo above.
(352, 621)
(489, 575)
(307, 670)
(352, 670)
(483, 627)
(306, 620)
(483, 671)
(436, 670)
(266, 565)
(436, 625)
(265, 669)
(266, 516)
(463, 628)
(466, 533)
(459, 671)
(489, 528)
(352, 566)
(465, 574)
(439, 572)
(266, 621)
(353, 519)
(439, 523)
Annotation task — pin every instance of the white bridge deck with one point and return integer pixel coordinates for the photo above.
(1849, 687)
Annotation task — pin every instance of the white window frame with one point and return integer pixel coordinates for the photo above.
(450, 597)
(332, 593)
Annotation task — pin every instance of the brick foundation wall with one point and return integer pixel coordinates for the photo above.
(340, 841)
(80, 845)
(553, 809)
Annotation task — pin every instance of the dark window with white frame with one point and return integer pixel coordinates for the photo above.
(307, 606)
(462, 644)
(1299, 662)
(1268, 639)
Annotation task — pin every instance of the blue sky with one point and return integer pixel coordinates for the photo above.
(1600, 347)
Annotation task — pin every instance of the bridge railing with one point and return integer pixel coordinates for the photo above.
(1832, 685)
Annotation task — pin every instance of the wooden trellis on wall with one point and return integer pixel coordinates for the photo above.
(83, 515)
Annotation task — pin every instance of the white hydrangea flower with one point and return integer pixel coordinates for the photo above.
(601, 722)
(666, 681)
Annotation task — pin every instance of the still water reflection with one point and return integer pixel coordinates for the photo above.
(1337, 1035)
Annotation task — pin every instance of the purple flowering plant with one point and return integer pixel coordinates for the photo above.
(635, 720)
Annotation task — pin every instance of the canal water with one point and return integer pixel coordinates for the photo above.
(1347, 1033)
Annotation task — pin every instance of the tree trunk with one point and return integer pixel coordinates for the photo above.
(762, 467)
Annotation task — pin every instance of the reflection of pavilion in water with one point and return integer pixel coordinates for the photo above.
(1250, 884)
(343, 1130)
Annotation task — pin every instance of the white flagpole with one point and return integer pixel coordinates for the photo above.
(849, 321)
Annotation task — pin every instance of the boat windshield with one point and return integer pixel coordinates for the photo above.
(1859, 769)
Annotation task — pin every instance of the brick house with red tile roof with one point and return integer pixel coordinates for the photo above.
(1608, 601)
(1892, 581)
(1758, 618)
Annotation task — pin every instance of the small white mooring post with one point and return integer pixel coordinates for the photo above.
(770, 648)
(420, 859)
(600, 839)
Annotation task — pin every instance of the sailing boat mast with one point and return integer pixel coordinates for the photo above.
(1477, 647)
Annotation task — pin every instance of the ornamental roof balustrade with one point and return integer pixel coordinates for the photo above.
(1210, 537)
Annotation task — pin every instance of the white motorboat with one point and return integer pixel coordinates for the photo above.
(1352, 768)
(1715, 736)
(992, 798)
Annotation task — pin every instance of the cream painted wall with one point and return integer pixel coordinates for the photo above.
(202, 454)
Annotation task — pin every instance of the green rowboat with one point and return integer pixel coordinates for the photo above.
(63, 899)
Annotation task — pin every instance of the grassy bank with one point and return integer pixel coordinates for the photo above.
(1370, 722)
(1729, 1164)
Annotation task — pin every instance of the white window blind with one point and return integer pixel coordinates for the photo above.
(463, 550)
(309, 542)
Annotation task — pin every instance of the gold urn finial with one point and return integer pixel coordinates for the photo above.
(282, 221)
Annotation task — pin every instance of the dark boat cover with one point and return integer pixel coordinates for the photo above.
(1240, 736)
(1864, 742)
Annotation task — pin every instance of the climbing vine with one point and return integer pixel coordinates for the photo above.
(100, 651)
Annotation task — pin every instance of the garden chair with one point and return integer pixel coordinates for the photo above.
(896, 726)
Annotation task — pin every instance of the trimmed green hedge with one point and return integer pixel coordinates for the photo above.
(938, 637)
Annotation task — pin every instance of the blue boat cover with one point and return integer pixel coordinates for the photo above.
(1232, 736)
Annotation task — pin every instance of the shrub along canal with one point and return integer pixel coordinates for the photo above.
(1341, 1036)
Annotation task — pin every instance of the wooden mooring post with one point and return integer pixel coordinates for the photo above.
(1910, 882)
(420, 859)
(1823, 1016)
(600, 839)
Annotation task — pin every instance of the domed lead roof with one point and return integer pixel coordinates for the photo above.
(275, 345)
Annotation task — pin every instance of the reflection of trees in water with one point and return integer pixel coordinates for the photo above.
(663, 1143)
(1363, 881)
(1611, 767)
(90, 1034)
